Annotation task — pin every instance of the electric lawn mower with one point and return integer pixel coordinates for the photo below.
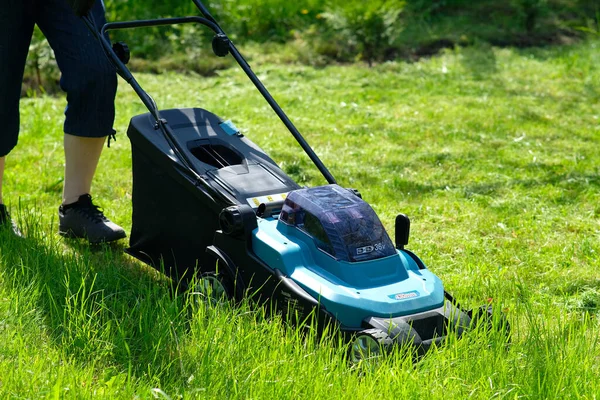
(209, 203)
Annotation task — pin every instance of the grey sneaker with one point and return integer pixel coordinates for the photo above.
(6, 223)
(83, 219)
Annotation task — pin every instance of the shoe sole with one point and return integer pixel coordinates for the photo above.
(69, 234)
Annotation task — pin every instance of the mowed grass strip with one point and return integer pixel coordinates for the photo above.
(491, 152)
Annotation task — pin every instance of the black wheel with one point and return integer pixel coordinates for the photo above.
(215, 287)
(369, 344)
(211, 286)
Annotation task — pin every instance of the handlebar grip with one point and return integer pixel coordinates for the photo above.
(81, 7)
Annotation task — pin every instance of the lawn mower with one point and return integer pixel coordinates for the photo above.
(212, 207)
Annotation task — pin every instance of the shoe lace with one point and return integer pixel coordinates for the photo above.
(93, 212)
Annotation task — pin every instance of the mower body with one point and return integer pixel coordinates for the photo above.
(209, 204)
(311, 252)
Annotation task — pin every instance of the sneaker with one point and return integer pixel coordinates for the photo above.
(6, 223)
(83, 219)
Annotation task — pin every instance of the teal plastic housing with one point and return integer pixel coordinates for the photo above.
(351, 291)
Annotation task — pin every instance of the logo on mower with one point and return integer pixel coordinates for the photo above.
(404, 296)
(364, 250)
(368, 249)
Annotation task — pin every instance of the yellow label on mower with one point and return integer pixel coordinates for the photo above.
(266, 200)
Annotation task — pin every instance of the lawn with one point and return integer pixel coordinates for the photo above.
(491, 152)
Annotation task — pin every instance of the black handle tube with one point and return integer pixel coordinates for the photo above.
(205, 11)
(210, 22)
(161, 22)
(126, 74)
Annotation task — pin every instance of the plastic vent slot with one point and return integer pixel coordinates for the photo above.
(216, 155)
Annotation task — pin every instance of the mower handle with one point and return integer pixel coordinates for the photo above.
(161, 123)
(211, 23)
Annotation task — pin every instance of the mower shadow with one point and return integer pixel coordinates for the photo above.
(100, 306)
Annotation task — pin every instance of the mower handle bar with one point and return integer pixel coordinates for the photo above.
(209, 22)
(161, 123)
(205, 12)
(160, 22)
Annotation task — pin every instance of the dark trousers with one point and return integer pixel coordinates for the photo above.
(87, 76)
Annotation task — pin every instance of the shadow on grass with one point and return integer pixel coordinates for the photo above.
(573, 184)
(101, 307)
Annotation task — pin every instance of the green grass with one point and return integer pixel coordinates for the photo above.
(491, 152)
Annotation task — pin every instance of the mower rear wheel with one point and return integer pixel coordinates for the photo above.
(369, 344)
(213, 287)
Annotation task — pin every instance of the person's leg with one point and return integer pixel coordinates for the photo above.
(90, 81)
(16, 29)
(81, 159)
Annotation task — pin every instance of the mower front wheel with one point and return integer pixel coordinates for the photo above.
(369, 344)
